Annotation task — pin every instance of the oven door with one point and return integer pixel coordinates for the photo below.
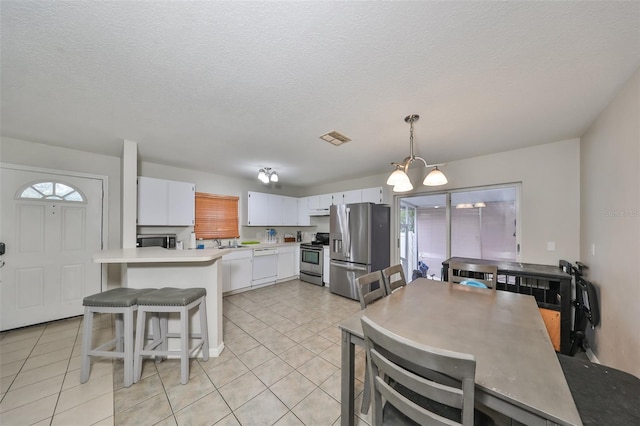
(311, 260)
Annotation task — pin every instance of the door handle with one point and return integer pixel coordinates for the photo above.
(349, 267)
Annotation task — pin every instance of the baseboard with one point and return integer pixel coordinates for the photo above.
(215, 352)
(592, 357)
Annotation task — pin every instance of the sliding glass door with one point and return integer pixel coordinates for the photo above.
(478, 223)
(427, 248)
(483, 224)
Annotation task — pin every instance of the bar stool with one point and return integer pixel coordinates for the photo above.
(162, 302)
(119, 301)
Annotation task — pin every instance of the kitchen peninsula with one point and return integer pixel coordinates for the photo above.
(155, 267)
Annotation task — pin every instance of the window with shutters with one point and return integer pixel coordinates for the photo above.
(216, 216)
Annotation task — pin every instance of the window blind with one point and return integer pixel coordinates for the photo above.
(216, 216)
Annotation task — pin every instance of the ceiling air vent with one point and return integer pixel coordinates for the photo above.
(335, 138)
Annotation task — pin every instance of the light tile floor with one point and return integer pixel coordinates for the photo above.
(280, 366)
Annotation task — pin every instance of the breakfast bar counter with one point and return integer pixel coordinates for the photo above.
(156, 267)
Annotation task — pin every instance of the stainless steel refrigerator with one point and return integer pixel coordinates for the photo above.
(358, 244)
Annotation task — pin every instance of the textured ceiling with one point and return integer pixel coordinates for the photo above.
(228, 87)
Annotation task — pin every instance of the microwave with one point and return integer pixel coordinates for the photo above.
(167, 241)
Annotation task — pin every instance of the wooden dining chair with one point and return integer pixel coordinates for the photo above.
(393, 278)
(426, 383)
(370, 288)
(473, 274)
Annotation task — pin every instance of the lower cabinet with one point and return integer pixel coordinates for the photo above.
(236, 270)
(237, 267)
(286, 262)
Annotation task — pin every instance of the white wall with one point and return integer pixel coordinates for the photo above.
(550, 201)
(610, 225)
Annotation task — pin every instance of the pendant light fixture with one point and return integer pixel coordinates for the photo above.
(399, 178)
(265, 175)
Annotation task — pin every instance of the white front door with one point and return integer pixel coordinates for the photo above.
(51, 226)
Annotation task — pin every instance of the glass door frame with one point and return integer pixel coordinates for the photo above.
(397, 205)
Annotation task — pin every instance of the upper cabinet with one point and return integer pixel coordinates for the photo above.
(303, 212)
(325, 201)
(372, 195)
(278, 210)
(290, 211)
(271, 210)
(165, 202)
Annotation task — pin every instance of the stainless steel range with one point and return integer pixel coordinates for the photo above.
(311, 259)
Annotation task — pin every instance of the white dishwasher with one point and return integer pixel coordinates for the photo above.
(265, 266)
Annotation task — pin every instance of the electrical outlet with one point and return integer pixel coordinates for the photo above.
(551, 246)
(593, 249)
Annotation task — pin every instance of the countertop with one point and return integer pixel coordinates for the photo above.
(261, 246)
(158, 255)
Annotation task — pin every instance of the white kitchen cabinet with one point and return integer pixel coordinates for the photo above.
(165, 203)
(275, 210)
(326, 268)
(289, 211)
(313, 202)
(257, 208)
(286, 262)
(236, 270)
(303, 212)
(264, 209)
(271, 210)
(350, 197)
(372, 195)
(326, 201)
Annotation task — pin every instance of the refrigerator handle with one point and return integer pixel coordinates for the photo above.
(347, 250)
(350, 267)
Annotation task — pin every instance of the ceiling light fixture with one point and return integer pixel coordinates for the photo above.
(399, 178)
(265, 175)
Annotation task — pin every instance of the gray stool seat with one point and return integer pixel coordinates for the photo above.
(169, 296)
(160, 303)
(123, 303)
(116, 298)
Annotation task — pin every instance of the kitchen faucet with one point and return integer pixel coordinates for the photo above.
(217, 240)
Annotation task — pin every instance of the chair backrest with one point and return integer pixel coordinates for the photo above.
(370, 288)
(468, 273)
(394, 277)
(417, 368)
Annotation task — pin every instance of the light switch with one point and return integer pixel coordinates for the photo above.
(551, 246)
(593, 249)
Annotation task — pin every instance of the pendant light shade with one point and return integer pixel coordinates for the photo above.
(399, 178)
(435, 178)
(265, 175)
(403, 186)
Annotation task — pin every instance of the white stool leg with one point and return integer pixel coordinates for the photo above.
(184, 344)
(164, 334)
(87, 337)
(204, 332)
(119, 319)
(137, 358)
(128, 345)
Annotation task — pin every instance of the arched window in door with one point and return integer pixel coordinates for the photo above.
(51, 190)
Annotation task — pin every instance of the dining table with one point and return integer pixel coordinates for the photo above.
(517, 371)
